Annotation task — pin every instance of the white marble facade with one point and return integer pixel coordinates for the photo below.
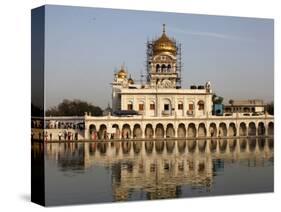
(160, 96)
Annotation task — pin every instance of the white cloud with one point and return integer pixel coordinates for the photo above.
(211, 34)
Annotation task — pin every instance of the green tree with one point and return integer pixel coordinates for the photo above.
(270, 108)
(217, 99)
(74, 108)
(36, 110)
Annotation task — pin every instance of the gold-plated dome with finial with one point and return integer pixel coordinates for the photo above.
(164, 44)
(122, 74)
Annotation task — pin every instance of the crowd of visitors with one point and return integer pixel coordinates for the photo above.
(57, 124)
(61, 136)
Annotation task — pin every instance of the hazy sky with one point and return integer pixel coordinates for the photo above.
(85, 45)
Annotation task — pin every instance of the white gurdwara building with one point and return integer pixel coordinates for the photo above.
(161, 108)
(162, 95)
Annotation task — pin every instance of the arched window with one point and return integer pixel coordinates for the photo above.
(163, 68)
(141, 106)
(157, 68)
(152, 105)
(200, 105)
(167, 106)
(169, 68)
(130, 105)
(190, 108)
(180, 105)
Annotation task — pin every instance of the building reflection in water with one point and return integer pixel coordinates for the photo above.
(160, 168)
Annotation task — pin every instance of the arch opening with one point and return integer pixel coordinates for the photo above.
(181, 131)
(102, 132)
(137, 131)
(271, 128)
(170, 131)
(149, 131)
(159, 131)
(242, 129)
(213, 130)
(126, 131)
(93, 132)
(163, 68)
(201, 105)
(157, 68)
(191, 131)
(252, 129)
(222, 130)
(116, 135)
(232, 130)
(202, 130)
(261, 129)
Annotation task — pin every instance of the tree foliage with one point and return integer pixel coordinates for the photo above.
(36, 110)
(217, 99)
(74, 108)
(270, 108)
(231, 101)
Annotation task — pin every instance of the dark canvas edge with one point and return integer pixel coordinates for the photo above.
(38, 101)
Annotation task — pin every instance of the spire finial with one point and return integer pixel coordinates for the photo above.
(164, 30)
(123, 66)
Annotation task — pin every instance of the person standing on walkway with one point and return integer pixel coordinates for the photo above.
(65, 135)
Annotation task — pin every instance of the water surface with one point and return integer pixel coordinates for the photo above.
(142, 170)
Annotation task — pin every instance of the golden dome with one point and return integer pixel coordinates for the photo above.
(164, 44)
(122, 73)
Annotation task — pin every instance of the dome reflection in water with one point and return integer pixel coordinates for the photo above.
(156, 169)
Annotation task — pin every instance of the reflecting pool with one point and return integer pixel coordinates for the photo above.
(139, 170)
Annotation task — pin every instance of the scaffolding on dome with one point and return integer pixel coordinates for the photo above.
(149, 54)
(179, 65)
